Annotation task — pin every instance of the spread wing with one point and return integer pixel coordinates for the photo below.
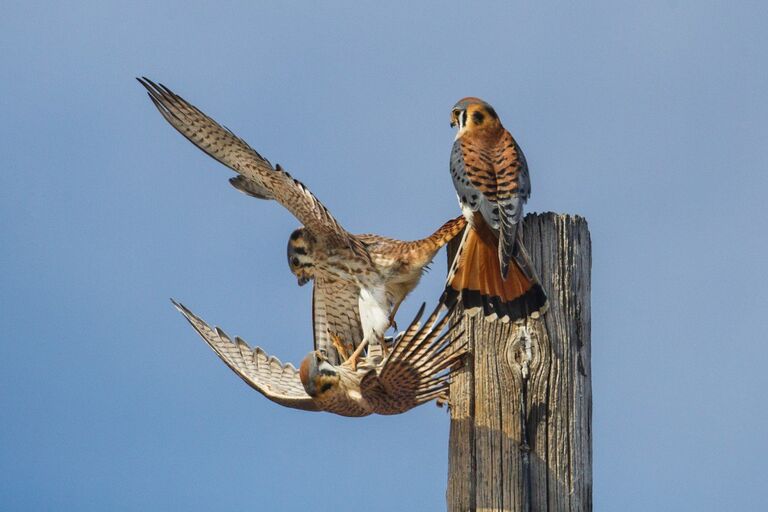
(335, 310)
(277, 381)
(257, 176)
(419, 367)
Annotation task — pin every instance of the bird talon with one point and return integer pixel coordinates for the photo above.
(351, 361)
(339, 346)
(384, 348)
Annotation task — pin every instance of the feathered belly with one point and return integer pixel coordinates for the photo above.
(401, 282)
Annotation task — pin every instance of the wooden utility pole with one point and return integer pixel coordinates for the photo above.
(521, 413)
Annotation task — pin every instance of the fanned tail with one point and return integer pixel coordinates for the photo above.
(475, 279)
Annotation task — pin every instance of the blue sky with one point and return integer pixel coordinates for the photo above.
(650, 119)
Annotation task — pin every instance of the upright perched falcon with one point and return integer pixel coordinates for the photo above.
(360, 280)
(491, 271)
(416, 370)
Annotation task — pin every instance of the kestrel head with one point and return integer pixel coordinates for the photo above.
(317, 375)
(473, 114)
(300, 260)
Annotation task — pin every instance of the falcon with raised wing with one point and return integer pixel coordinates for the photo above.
(416, 370)
(491, 271)
(360, 280)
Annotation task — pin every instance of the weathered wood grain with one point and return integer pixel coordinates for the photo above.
(521, 413)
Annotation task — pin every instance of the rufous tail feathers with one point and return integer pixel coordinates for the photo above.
(475, 279)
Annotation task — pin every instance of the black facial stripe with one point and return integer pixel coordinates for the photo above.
(328, 373)
(300, 250)
(326, 387)
(295, 235)
(478, 117)
(464, 118)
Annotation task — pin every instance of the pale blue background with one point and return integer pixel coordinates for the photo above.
(650, 119)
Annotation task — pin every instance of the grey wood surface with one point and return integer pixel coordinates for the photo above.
(521, 413)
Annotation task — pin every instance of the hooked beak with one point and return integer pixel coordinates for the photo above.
(303, 281)
(453, 123)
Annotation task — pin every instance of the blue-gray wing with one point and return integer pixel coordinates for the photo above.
(474, 180)
(513, 169)
(493, 179)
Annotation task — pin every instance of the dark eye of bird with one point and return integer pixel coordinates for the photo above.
(295, 261)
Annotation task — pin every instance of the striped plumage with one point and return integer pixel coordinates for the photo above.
(417, 370)
(491, 271)
(359, 280)
(403, 263)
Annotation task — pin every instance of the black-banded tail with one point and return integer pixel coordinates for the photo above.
(475, 279)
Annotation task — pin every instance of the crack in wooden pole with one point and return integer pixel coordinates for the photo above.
(521, 412)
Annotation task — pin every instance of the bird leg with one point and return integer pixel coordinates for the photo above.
(339, 346)
(384, 347)
(352, 359)
(392, 322)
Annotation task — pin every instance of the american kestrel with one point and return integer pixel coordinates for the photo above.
(360, 280)
(416, 370)
(491, 272)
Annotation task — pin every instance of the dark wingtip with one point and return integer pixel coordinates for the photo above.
(181, 308)
(146, 82)
(419, 313)
(237, 183)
